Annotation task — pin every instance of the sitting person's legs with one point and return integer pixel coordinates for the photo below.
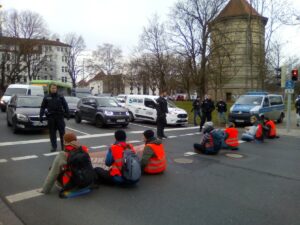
(247, 137)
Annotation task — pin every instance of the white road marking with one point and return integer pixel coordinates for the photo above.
(240, 141)
(24, 157)
(190, 153)
(24, 195)
(77, 131)
(85, 137)
(3, 160)
(100, 146)
(172, 136)
(51, 154)
(143, 126)
(134, 141)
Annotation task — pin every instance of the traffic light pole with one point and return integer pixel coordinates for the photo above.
(288, 124)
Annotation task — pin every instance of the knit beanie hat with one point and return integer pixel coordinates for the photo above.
(120, 135)
(148, 134)
(70, 139)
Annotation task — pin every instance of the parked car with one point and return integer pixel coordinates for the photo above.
(19, 89)
(102, 111)
(257, 103)
(72, 104)
(143, 107)
(23, 113)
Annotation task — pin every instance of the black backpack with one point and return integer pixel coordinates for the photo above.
(131, 169)
(79, 162)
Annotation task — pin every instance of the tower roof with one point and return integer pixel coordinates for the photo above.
(237, 8)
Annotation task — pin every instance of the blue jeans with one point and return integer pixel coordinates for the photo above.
(247, 137)
(222, 117)
(196, 114)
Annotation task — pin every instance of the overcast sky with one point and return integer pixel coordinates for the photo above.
(119, 22)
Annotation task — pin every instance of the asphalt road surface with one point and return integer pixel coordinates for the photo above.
(259, 184)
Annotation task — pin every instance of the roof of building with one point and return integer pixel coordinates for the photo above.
(238, 8)
(42, 41)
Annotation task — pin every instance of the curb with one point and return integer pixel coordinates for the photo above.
(7, 216)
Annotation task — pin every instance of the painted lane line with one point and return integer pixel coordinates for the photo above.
(172, 136)
(240, 141)
(3, 160)
(135, 124)
(24, 157)
(77, 131)
(190, 153)
(51, 154)
(84, 137)
(100, 146)
(134, 141)
(24, 195)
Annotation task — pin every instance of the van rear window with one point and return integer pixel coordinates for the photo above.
(17, 91)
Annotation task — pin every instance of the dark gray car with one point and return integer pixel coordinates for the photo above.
(102, 111)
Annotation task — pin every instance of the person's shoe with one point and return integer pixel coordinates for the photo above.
(159, 138)
(53, 149)
(297, 124)
(197, 151)
(164, 136)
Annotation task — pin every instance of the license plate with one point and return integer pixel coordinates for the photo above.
(38, 123)
(123, 120)
(239, 121)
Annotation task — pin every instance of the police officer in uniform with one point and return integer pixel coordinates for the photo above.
(162, 110)
(55, 107)
(207, 107)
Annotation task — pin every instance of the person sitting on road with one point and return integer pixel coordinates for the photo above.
(254, 132)
(61, 172)
(114, 160)
(154, 156)
(269, 128)
(211, 142)
(231, 140)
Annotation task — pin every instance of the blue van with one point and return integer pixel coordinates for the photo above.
(256, 103)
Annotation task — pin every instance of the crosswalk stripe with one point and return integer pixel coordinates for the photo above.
(3, 160)
(24, 157)
(51, 154)
(100, 146)
(23, 195)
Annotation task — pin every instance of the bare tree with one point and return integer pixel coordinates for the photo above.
(77, 46)
(107, 58)
(153, 43)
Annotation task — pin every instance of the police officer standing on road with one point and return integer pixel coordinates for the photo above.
(207, 107)
(196, 109)
(297, 106)
(55, 107)
(162, 110)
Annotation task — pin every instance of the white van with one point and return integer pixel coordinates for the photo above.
(19, 89)
(257, 103)
(143, 107)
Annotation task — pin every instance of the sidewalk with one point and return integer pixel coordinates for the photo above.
(7, 217)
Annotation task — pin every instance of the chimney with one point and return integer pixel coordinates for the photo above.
(57, 39)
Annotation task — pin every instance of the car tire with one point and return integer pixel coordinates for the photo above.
(77, 118)
(280, 118)
(8, 123)
(3, 110)
(14, 127)
(99, 122)
(124, 125)
(131, 117)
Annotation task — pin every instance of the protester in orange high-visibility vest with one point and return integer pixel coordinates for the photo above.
(270, 128)
(231, 140)
(154, 156)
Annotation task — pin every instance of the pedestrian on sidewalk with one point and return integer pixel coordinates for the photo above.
(297, 106)
(154, 157)
(197, 109)
(55, 107)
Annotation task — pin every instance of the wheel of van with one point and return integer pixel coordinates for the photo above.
(280, 118)
(77, 118)
(131, 117)
(99, 122)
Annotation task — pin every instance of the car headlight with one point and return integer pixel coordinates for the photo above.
(127, 113)
(108, 113)
(22, 117)
(173, 113)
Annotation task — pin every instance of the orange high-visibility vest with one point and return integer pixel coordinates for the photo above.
(117, 154)
(259, 132)
(158, 162)
(67, 174)
(232, 139)
(272, 131)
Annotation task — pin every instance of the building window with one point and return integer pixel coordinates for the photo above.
(46, 69)
(66, 69)
(62, 69)
(25, 79)
(51, 68)
(63, 79)
(51, 77)
(62, 49)
(66, 79)
(45, 77)
(38, 78)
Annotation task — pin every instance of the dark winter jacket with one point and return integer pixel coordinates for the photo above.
(207, 106)
(161, 107)
(55, 105)
(221, 106)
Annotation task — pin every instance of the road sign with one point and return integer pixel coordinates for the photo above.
(289, 91)
(289, 84)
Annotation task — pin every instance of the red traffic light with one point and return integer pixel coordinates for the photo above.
(294, 75)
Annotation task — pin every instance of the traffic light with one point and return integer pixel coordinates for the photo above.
(294, 74)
